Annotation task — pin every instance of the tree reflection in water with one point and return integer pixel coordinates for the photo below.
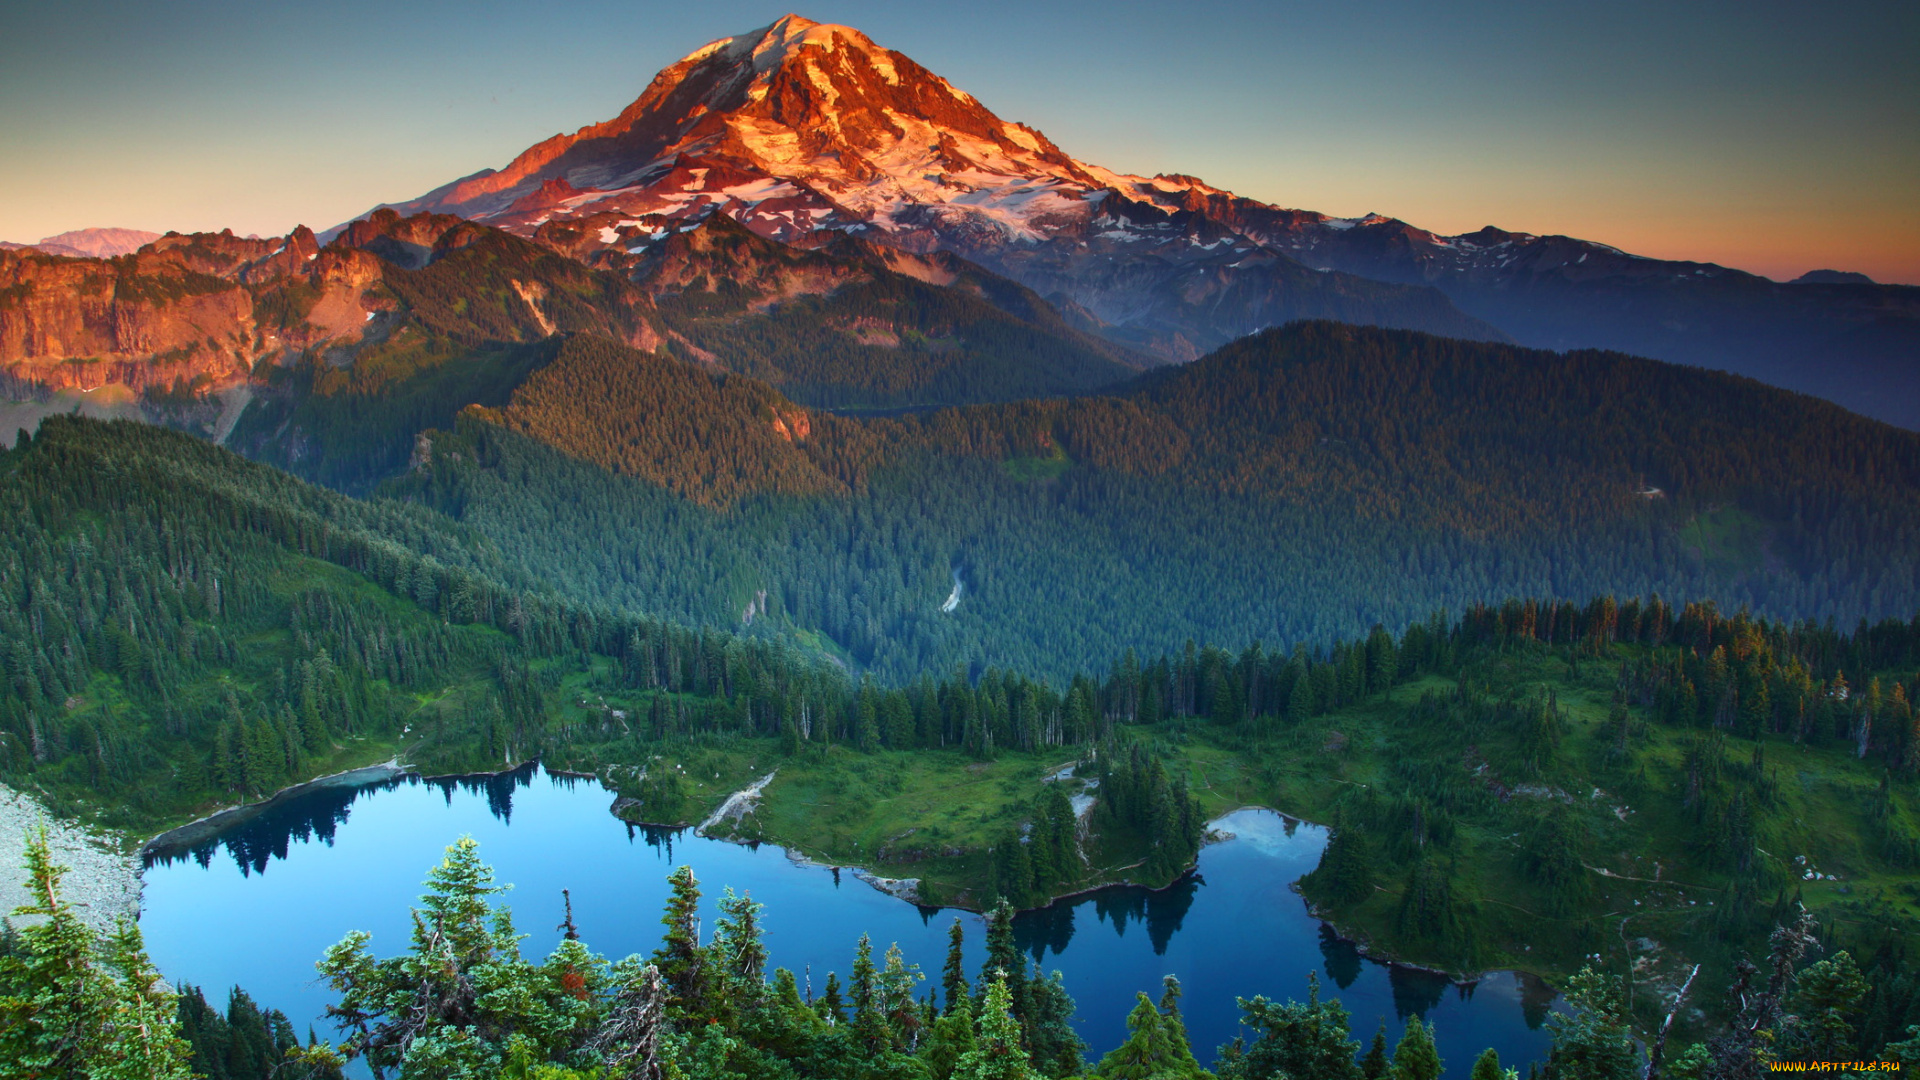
(317, 813)
(1161, 910)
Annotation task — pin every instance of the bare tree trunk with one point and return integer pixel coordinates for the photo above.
(1659, 1051)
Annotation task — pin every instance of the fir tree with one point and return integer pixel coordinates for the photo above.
(680, 958)
(1375, 1065)
(950, 1040)
(1298, 1039)
(953, 978)
(1593, 1040)
(997, 1053)
(1415, 1057)
(1004, 963)
(75, 1006)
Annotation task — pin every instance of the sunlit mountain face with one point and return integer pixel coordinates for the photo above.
(804, 128)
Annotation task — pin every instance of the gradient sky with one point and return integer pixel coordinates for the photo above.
(1777, 137)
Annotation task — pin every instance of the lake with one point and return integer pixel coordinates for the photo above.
(257, 905)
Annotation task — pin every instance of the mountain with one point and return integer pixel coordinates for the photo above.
(1299, 485)
(1832, 277)
(89, 243)
(97, 243)
(802, 127)
(856, 324)
(306, 353)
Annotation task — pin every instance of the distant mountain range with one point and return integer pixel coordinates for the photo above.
(803, 127)
(805, 206)
(90, 243)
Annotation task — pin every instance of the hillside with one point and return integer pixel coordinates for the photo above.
(210, 630)
(853, 324)
(1296, 487)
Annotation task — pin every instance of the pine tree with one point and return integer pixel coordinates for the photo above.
(1375, 1065)
(1156, 1046)
(737, 958)
(953, 978)
(831, 1006)
(74, 1006)
(950, 1040)
(1487, 1066)
(680, 958)
(1052, 1043)
(1004, 963)
(457, 909)
(1593, 1040)
(1296, 1039)
(997, 1054)
(1345, 872)
(869, 1028)
(1416, 1058)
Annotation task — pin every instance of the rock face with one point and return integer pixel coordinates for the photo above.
(184, 312)
(801, 127)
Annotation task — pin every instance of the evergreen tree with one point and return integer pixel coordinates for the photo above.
(1004, 963)
(950, 1040)
(1296, 1039)
(1054, 1046)
(681, 959)
(1593, 1040)
(832, 1006)
(1487, 1066)
(72, 1005)
(1156, 1045)
(1345, 873)
(1376, 1064)
(997, 1053)
(1415, 1057)
(953, 978)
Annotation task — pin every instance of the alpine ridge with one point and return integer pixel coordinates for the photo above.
(805, 127)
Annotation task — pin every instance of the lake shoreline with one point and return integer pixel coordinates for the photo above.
(904, 889)
(201, 829)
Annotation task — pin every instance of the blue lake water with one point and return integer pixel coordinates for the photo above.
(259, 905)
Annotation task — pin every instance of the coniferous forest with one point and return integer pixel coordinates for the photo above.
(213, 629)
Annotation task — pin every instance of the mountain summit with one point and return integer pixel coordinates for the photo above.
(797, 127)
(804, 130)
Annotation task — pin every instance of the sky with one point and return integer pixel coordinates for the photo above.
(1776, 137)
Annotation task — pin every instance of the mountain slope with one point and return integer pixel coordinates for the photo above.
(857, 324)
(328, 360)
(1297, 486)
(801, 126)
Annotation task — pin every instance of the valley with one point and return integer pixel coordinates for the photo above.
(811, 479)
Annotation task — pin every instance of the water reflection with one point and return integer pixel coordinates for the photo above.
(1416, 992)
(498, 788)
(1341, 957)
(257, 843)
(318, 813)
(1234, 929)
